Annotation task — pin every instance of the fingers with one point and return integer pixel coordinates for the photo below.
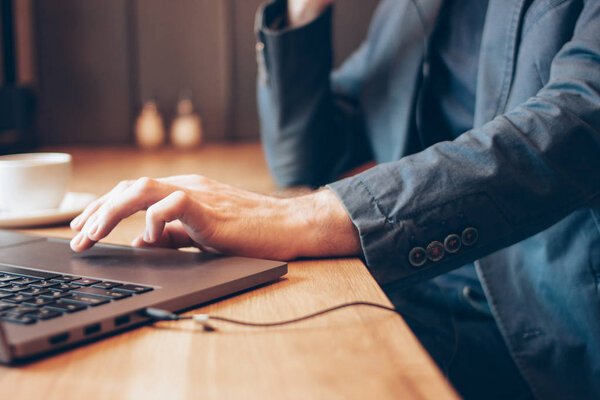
(173, 236)
(173, 207)
(163, 242)
(179, 180)
(189, 215)
(81, 242)
(165, 199)
(78, 223)
(117, 206)
(137, 197)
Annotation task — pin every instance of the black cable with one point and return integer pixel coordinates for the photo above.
(163, 315)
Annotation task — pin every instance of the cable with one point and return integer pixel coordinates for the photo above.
(163, 315)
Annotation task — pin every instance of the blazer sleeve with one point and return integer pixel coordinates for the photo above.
(311, 124)
(492, 186)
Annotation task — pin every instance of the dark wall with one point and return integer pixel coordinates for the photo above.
(184, 45)
(24, 42)
(84, 92)
(98, 60)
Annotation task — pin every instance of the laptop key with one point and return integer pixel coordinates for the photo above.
(137, 289)
(4, 294)
(7, 278)
(21, 310)
(13, 288)
(85, 300)
(65, 278)
(33, 291)
(42, 313)
(105, 294)
(38, 301)
(54, 294)
(10, 270)
(17, 298)
(85, 282)
(25, 320)
(65, 287)
(65, 307)
(45, 284)
(6, 306)
(24, 281)
(107, 285)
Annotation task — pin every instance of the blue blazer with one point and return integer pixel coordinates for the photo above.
(521, 190)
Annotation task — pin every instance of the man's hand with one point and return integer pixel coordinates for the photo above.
(301, 12)
(191, 210)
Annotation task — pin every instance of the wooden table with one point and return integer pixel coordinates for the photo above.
(358, 353)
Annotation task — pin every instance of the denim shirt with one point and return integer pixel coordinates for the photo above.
(521, 190)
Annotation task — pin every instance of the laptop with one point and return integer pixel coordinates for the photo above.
(52, 298)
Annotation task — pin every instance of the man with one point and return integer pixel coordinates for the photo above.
(484, 120)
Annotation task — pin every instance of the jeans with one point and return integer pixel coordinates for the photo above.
(451, 318)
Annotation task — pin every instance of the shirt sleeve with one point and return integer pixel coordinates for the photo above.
(312, 127)
(493, 186)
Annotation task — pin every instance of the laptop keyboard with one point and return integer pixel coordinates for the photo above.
(28, 296)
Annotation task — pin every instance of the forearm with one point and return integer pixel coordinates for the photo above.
(514, 177)
(311, 133)
(294, 100)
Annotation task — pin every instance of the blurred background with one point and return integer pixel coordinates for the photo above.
(77, 72)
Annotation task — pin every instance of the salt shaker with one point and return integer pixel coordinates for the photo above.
(149, 127)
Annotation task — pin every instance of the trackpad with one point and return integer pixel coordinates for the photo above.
(8, 238)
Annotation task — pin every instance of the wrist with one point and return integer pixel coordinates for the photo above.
(321, 226)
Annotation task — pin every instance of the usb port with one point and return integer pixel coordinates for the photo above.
(56, 339)
(122, 320)
(91, 329)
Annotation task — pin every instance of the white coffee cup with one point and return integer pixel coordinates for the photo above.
(33, 181)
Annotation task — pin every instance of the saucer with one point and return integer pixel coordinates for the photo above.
(72, 205)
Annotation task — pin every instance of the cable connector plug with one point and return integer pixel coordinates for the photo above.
(203, 319)
(161, 315)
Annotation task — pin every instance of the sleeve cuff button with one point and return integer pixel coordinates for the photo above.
(452, 243)
(435, 251)
(417, 257)
(470, 236)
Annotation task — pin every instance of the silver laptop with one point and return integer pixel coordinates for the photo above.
(52, 298)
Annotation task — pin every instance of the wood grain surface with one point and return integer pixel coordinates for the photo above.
(358, 353)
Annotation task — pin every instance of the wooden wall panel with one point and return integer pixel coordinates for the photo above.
(99, 60)
(83, 72)
(24, 41)
(244, 118)
(184, 45)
